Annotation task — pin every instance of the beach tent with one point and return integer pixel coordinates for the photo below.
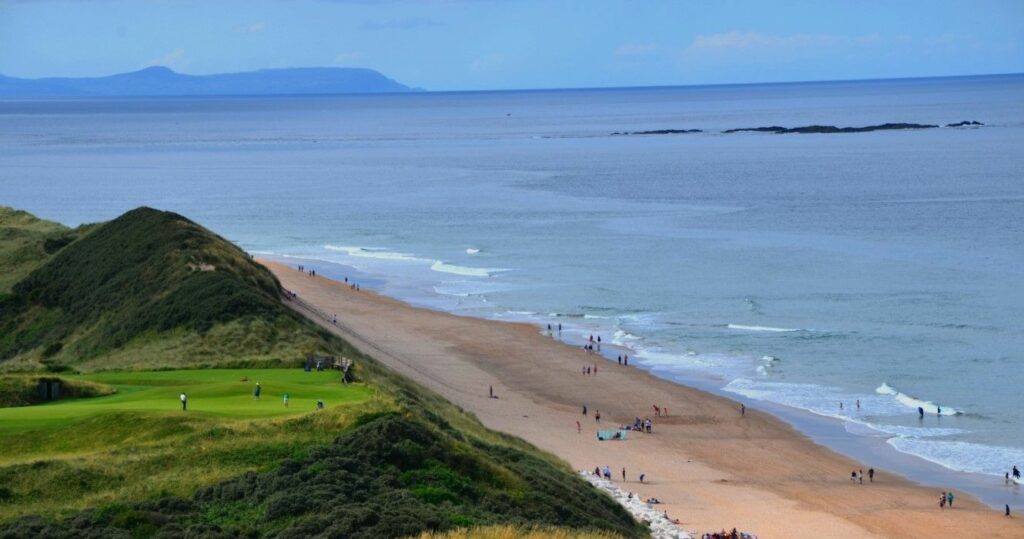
(612, 434)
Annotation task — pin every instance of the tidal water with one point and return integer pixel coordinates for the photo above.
(803, 270)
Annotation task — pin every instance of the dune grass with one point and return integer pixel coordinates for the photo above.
(137, 444)
(25, 242)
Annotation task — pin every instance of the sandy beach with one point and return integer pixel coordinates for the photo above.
(711, 467)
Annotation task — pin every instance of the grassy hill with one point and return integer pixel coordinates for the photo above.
(25, 242)
(150, 288)
(153, 290)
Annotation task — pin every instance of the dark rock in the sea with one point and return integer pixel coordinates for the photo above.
(659, 132)
(964, 124)
(831, 128)
(771, 129)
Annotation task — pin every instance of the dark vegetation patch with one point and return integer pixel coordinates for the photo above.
(23, 390)
(25, 242)
(145, 273)
(392, 476)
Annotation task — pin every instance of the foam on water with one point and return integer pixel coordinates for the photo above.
(445, 267)
(440, 266)
(763, 328)
(373, 252)
(472, 250)
(960, 455)
(913, 403)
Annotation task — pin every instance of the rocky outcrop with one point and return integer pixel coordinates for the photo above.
(830, 128)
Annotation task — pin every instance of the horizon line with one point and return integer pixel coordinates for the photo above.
(421, 90)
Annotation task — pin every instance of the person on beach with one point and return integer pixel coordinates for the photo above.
(853, 476)
(840, 405)
(657, 411)
(860, 476)
(584, 409)
(1016, 472)
(858, 404)
(491, 391)
(595, 368)
(256, 392)
(625, 359)
(597, 416)
(607, 473)
(942, 500)
(920, 412)
(871, 475)
(579, 429)
(623, 475)
(285, 400)
(743, 410)
(949, 499)
(642, 478)
(1007, 510)
(619, 359)
(938, 410)
(184, 401)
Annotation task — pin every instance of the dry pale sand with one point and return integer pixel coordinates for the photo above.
(712, 468)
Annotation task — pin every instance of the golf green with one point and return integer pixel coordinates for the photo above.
(223, 393)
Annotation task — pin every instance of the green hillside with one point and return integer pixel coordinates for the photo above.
(150, 288)
(25, 242)
(132, 303)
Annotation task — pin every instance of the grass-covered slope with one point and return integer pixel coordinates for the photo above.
(26, 242)
(391, 476)
(149, 288)
(152, 290)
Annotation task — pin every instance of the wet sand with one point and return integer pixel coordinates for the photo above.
(711, 467)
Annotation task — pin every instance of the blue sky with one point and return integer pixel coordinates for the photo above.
(496, 44)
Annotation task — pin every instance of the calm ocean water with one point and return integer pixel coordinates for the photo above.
(805, 270)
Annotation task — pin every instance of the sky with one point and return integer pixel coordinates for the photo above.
(512, 44)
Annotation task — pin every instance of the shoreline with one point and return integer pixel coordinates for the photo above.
(713, 468)
(826, 430)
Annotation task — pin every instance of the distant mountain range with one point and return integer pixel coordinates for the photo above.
(162, 81)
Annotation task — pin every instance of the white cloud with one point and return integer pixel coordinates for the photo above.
(176, 60)
(256, 27)
(755, 40)
(635, 49)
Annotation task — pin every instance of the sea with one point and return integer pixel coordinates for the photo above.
(849, 276)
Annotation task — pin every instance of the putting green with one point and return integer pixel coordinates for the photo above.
(223, 393)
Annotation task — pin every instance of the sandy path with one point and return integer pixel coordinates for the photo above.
(711, 467)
